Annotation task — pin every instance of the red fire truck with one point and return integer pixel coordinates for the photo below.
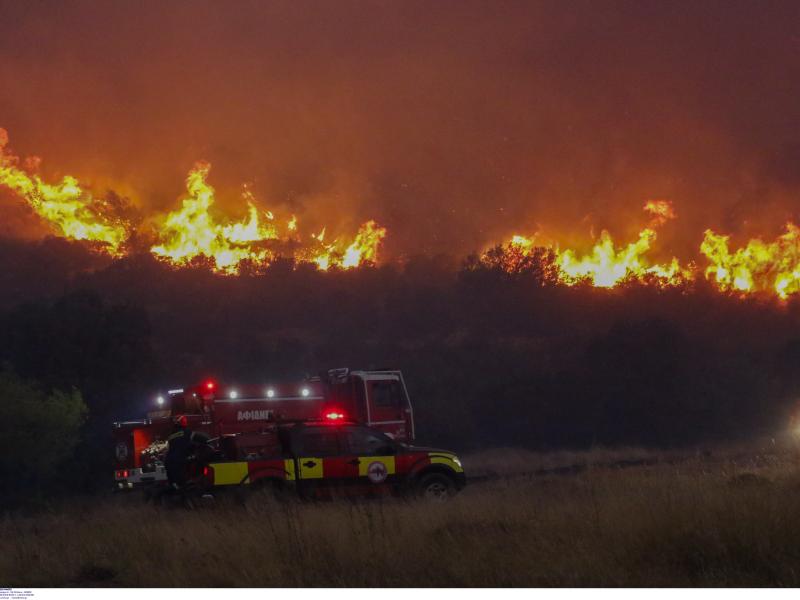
(345, 430)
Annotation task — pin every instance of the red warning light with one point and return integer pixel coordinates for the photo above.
(210, 385)
(334, 416)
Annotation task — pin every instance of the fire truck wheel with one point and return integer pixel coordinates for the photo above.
(436, 487)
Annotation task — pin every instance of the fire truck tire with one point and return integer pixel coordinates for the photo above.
(436, 487)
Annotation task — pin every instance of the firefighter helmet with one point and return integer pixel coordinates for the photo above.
(181, 421)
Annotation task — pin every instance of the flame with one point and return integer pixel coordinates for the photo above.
(364, 248)
(607, 265)
(661, 210)
(196, 230)
(521, 243)
(758, 266)
(193, 231)
(362, 251)
(70, 211)
(771, 268)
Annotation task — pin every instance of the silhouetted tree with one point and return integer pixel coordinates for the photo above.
(39, 432)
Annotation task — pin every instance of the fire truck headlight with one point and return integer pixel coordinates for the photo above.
(233, 394)
(270, 393)
(305, 392)
(160, 400)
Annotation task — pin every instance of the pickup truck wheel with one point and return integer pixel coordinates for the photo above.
(436, 487)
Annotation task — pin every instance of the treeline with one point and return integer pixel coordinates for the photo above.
(495, 352)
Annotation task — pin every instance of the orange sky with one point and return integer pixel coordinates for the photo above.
(454, 124)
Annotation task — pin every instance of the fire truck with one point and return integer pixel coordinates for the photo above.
(343, 432)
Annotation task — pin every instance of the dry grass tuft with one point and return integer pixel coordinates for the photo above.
(702, 521)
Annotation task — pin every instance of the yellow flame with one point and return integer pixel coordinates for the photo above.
(69, 210)
(606, 265)
(364, 248)
(362, 251)
(758, 266)
(192, 231)
(521, 243)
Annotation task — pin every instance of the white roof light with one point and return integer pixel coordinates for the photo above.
(178, 391)
(270, 393)
(305, 392)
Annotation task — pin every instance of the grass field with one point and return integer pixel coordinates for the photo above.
(719, 519)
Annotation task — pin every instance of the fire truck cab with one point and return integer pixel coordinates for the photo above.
(247, 415)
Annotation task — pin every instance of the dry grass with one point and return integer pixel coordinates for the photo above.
(701, 521)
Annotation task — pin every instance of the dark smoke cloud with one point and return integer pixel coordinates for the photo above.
(453, 123)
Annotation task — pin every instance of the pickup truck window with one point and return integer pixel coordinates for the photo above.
(317, 441)
(364, 442)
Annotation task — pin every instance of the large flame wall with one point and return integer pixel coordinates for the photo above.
(195, 231)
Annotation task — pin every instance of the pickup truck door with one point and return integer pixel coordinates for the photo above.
(316, 451)
(368, 462)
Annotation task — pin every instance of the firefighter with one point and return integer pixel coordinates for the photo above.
(178, 453)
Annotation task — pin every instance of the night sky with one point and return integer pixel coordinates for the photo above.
(454, 124)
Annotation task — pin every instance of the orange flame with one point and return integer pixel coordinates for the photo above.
(661, 210)
(193, 231)
(606, 265)
(69, 210)
(197, 231)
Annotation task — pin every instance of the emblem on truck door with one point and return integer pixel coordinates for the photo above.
(376, 471)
